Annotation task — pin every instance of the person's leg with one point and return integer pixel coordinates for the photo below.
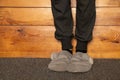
(85, 21)
(63, 22)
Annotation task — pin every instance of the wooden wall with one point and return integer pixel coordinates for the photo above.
(27, 29)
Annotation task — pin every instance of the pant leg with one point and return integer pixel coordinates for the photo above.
(63, 22)
(85, 21)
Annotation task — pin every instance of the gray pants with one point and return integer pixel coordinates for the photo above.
(63, 21)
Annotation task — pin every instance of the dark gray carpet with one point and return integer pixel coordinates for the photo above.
(36, 69)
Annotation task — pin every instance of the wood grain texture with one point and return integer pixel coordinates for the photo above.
(39, 41)
(43, 16)
(26, 29)
(47, 3)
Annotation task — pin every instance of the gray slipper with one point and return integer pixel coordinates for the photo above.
(80, 62)
(60, 61)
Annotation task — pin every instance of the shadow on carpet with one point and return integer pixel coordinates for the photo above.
(36, 69)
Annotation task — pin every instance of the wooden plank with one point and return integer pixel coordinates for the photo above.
(47, 3)
(39, 41)
(43, 16)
